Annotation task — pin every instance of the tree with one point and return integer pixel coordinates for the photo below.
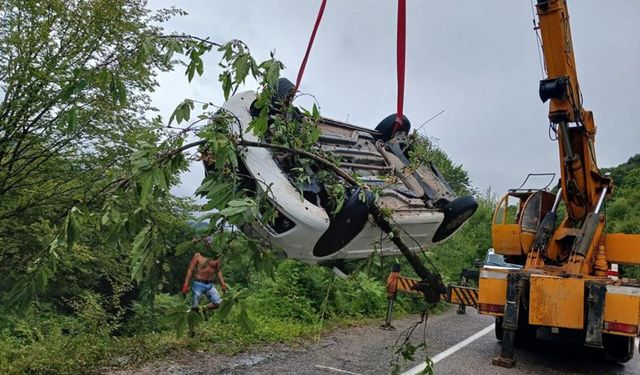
(75, 79)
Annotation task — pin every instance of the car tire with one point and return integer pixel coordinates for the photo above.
(385, 127)
(285, 90)
(456, 213)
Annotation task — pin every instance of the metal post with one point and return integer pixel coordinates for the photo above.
(510, 321)
(392, 291)
(462, 309)
(387, 322)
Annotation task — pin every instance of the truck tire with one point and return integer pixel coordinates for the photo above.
(618, 348)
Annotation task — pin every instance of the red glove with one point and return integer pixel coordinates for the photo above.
(185, 289)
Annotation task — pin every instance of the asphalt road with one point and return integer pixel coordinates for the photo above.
(543, 357)
(368, 350)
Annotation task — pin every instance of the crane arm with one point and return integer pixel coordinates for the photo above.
(581, 181)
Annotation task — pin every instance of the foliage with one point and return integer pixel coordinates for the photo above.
(425, 151)
(75, 78)
(623, 210)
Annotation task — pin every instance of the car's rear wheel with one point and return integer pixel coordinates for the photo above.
(386, 127)
(285, 90)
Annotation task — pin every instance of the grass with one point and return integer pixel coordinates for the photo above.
(57, 352)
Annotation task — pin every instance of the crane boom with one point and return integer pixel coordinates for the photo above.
(582, 183)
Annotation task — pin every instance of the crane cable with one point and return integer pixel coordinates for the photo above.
(400, 57)
(401, 52)
(311, 39)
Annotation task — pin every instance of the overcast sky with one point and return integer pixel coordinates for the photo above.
(477, 60)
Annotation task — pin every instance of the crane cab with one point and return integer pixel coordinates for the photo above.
(516, 219)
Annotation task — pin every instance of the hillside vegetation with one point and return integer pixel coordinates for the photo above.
(623, 209)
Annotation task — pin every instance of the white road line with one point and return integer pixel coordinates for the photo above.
(442, 355)
(337, 370)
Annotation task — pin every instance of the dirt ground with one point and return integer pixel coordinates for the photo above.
(364, 349)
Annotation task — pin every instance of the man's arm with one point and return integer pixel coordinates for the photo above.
(223, 285)
(192, 264)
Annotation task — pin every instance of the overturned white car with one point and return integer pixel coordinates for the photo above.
(420, 201)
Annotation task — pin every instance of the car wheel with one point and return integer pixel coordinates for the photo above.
(385, 127)
(285, 90)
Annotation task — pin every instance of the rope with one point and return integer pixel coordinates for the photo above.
(311, 39)
(400, 54)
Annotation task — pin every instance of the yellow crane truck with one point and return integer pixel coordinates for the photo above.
(557, 252)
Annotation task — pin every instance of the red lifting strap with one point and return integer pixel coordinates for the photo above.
(313, 36)
(401, 52)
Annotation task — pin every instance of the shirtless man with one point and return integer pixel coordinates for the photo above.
(205, 271)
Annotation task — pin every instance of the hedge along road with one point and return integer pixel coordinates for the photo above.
(461, 344)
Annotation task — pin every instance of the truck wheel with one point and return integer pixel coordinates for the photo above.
(498, 328)
(618, 348)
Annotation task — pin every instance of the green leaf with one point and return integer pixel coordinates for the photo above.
(146, 187)
(72, 119)
(122, 92)
(227, 84)
(200, 67)
(191, 69)
(71, 226)
(260, 124)
(183, 247)
(141, 240)
(67, 91)
(225, 309)
(243, 319)
(218, 193)
(186, 109)
(231, 211)
(241, 66)
(139, 252)
(174, 115)
(181, 325)
(193, 318)
(159, 179)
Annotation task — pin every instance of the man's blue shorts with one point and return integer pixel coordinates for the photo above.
(198, 289)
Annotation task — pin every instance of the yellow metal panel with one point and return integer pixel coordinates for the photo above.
(506, 239)
(622, 308)
(556, 302)
(526, 240)
(622, 248)
(492, 290)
